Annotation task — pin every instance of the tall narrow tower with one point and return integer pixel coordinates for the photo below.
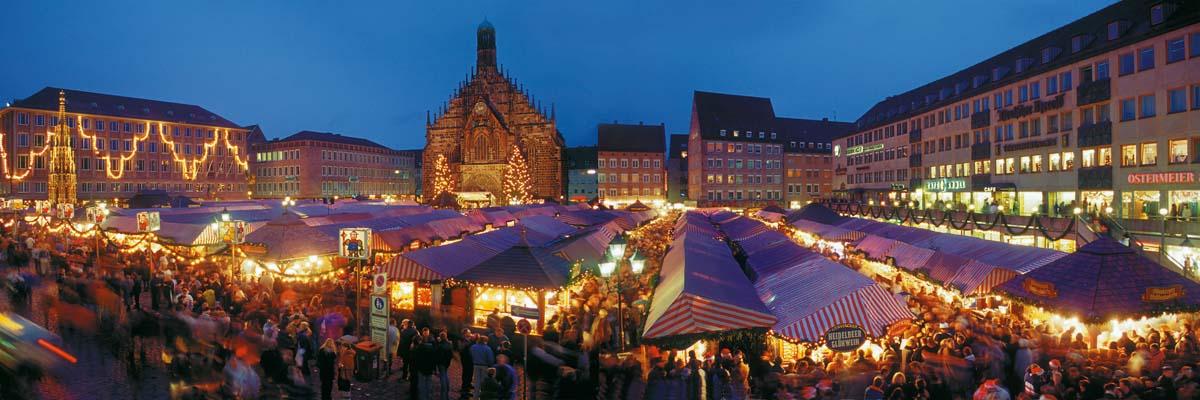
(62, 159)
(485, 57)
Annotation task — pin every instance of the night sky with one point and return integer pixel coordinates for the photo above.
(372, 69)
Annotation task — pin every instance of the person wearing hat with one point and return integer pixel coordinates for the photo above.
(1035, 377)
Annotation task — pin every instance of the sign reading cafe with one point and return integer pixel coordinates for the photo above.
(945, 185)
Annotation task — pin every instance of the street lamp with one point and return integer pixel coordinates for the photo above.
(1162, 240)
(607, 268)
(225, 215)
(616, 248)
(637, 263)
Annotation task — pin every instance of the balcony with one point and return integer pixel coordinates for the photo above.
(1093, 92)
(1096, 178)
(981, 119)
(914, 136)
(981, 151)
(1097, 134)
(980, 181)
(915, 183)
(914, 160)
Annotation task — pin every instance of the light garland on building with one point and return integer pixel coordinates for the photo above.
(516, 178)
(190, 168)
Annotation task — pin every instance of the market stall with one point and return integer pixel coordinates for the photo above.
(1103, 284)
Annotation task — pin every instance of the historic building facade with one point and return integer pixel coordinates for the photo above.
(121, 145)
(486, 116)
(632, 161)
(736, 152)
(320, 164)
(580, 166)
(677, 183)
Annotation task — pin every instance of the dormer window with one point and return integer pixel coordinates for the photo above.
(1049, 54)
(998, 73)
(121, 107)
(1023, 64)
(1114, 30)
(1158, 13)
(722, 133)
(145, 110)
(1080, 42)
(979, 81)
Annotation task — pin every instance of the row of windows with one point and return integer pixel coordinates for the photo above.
(115, 126)
(628, 178)
(125, 145)
(810, 188)
(748, 134)
(331, 155)
(749, 148)
(625, 163)
(85, 164)
(733, 163)
(103, 187)
(889, 154)
(279, 171)
(808, 173)
(899, 175)
(329, 170)
(278, 155)
(285, 188)
(339, 188)
(749, 195)
(613, 192)
(742, 179)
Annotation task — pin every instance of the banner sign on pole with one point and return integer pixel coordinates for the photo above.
(355, 243)
(148, 221)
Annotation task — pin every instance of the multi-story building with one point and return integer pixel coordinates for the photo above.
(318, 164)
(1100, 113)
(677, 169)
(580, 166)
(631, 163)
(736, 150)
(410, 173)
(808, 169)
(123, 145)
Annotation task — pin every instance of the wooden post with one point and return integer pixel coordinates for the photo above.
(541, 303)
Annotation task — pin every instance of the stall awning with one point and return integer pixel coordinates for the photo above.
(702, 289)
(876, 247)
(1105, 279)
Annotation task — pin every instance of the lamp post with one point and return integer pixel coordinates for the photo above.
(288, 202)
(608, 270)
(1162, 240)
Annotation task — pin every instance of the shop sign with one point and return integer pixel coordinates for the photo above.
(354, 243)
(148, 221)
(1037, 106)
(42, 207)
(1031, 144)
(379, 318)
(253, 249)
(1149, 178)
(95, 214)
(1161, 294)
(65, 211)
(233, 232)
(945, 185)
(1039, 288)
(860, 149)
(845, 337)
(524, 312)
(899, 186)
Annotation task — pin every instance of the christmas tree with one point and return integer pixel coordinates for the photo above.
(443, 181)
(516, 178)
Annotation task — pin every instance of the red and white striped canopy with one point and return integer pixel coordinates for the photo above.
(871, 307)
(694, 314)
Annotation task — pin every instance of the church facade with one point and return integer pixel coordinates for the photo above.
(485, 117)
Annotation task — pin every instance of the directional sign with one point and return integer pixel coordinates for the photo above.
(379, 319)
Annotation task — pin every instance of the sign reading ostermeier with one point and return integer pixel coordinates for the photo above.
(1148, 178)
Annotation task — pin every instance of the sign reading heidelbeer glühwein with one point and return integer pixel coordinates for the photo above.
(845, 337)
(1149, 178)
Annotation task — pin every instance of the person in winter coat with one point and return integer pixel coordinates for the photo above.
(677, 381)
(656, 380)
(345, 368)
(327, 358)
(697, 382)
(875, 391)
(443, 353)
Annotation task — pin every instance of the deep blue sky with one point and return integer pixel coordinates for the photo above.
(373, 69)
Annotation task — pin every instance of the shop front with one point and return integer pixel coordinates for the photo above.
(1184, 204)
(1097, 201)
(1140, 204)
(1149, 192)
(535, 306)
(945, 192)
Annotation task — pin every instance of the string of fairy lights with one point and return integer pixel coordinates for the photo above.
(189, 168)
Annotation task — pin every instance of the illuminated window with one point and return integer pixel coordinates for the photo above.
(1129, 155)
(1055, 159)
(1105, 156)
(1009, 165)
(1177, 150)
(1149, 153)
(1036, 163)
(1068, 160)
(1025, 168)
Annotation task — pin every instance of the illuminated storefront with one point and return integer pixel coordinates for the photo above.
(1140, 204)
(1184, 203)
(409, 295)
(517, 304)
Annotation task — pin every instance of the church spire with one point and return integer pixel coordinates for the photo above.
(486, 51)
